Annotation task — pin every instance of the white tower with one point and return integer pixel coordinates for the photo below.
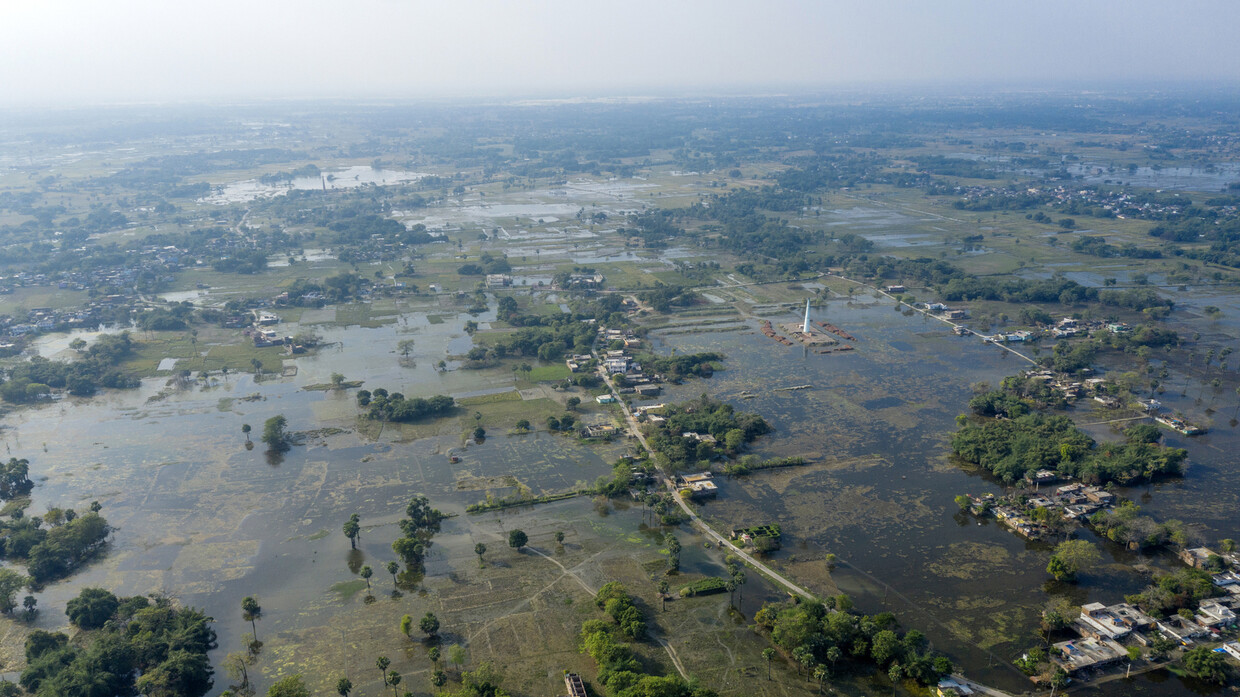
(805, 326)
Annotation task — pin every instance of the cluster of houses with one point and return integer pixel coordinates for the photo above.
(1119, 202)
(619, 363)
(941, 309)
(1075, 501)
(1104, 629)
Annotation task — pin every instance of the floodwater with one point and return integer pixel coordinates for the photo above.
(1213, 178)
(347, 178)
(202, 518)
(877, 420)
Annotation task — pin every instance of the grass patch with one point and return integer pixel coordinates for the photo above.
(435, 319)
(348, 589)
(548, 373)
(325, 386)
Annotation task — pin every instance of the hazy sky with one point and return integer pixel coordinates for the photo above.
(72, 51)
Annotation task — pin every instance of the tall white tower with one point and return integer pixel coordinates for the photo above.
(805, 326)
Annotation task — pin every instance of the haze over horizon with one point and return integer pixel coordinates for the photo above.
(68, 52)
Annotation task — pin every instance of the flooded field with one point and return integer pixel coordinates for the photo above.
(876, 421)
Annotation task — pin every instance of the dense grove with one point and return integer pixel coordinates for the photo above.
(677, 368)
(820, 635)
(29, 381)
(380, 405)
(141, 646)
(620, 673)
(1012, 448)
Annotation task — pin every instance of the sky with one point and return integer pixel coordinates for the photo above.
(66, 52)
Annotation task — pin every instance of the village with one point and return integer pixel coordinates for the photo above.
(1107, 631)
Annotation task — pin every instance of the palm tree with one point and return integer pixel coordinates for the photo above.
(393, 680)
(664, 587)
(251, 611)
(820, 672)
(393, 568)
(382, 664)
(480, 549)
(433, 654)
(731, 588)
(366, 573)
(245, 428)
(768, 653)
(353, 529)
(343, 687)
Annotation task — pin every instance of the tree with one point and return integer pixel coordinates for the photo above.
(91, 608)
(274, 434)
(768, 653)
(439, 678)
(1228, 545)
(1206, 665)
(257, 365)
(30, 604)
(406, 625)
(664, 588)
(456, 655)
(433, 654)
(517, 539)
(572, 403)
(251, 611)
(393, 567)
(429, 624)
(559, 537)
(352, 529)
(382, 664)
(480, 549)
(393, 679)
(366, 572)
(337, 381)
(405, 347)
(10, 583)
(235, 665)
(245, 428)
(673, 552)
(291, 686)
(343, 687)
(1072, 557)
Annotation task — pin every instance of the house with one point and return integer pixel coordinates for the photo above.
(895, 289)
(1112, 622)
(1100, 496)
(1232, 648)
(1196, 557)
(1180, 630)
(1213, 613)
(697, 485)
(951, 687)
(957, 314)
(598, 431)
(1019, 337)
(1078, 654)
(498, 280)
(1228, 581)
(699, 437)
(605, 399)
(649, 390)
(1042, 477)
